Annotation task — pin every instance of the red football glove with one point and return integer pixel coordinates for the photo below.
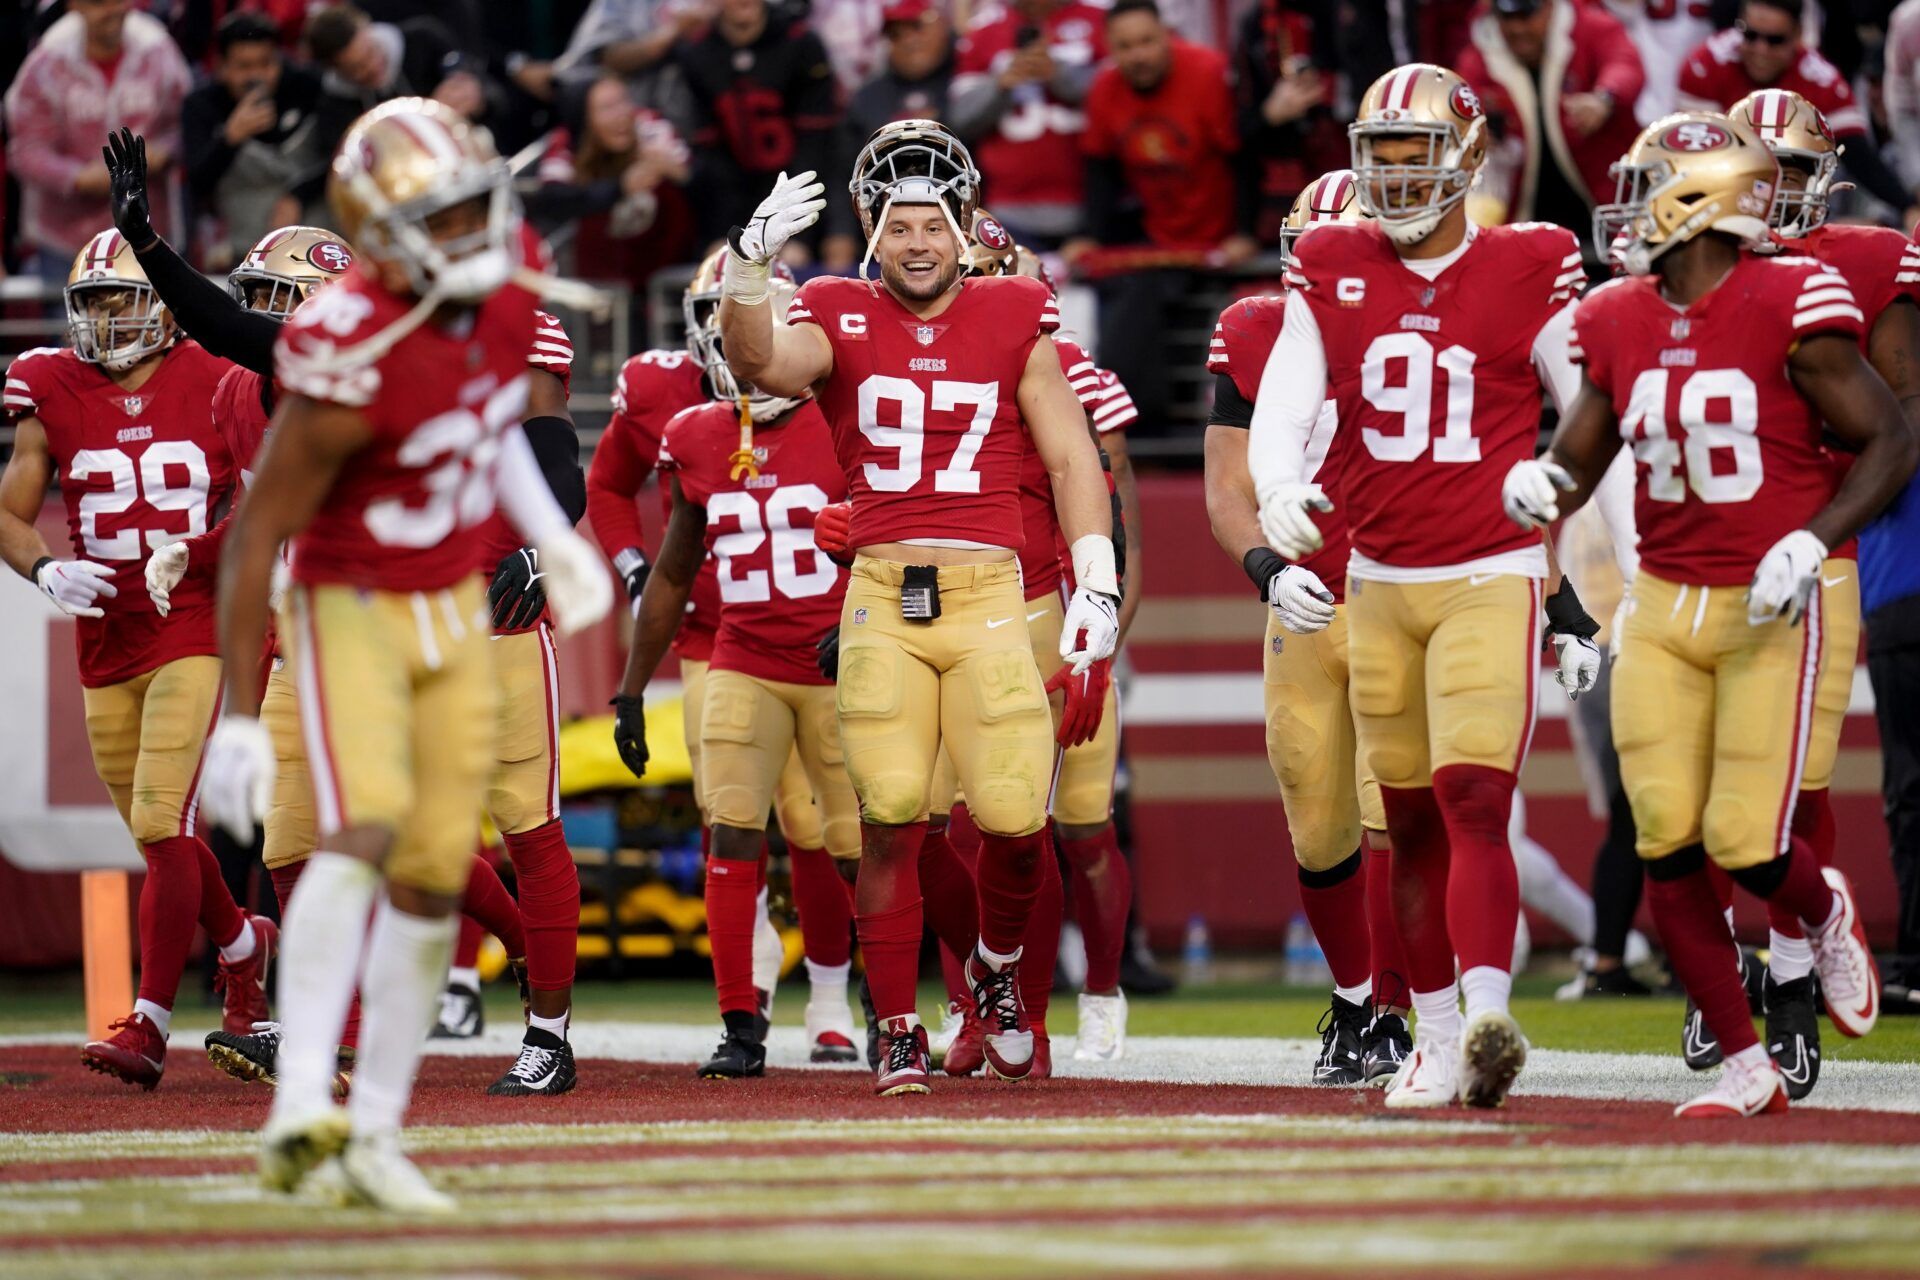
(831, 529)
(1086, 700)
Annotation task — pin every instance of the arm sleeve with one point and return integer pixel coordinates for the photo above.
(1553, 358)
(613, 480)
(1292, 388)
(556, 447)
(525, 499)
(208, 313)
(1613, 499)
(1230, 408)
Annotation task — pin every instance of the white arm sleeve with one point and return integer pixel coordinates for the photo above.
(525, 497)
(1558, 373)
(1613, 499)
(1292, 388)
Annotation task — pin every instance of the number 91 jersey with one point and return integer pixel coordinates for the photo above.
(1726, 451)
(778, 594)
(403, 511)
(925, 413)
(1436, 380)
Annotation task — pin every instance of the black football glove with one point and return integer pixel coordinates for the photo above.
(827, 654)
(126, 156)
(630, 733)
(515, 594)
(632, 566)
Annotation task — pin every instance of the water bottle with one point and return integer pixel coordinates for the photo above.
(1306, 962)
(1197, 958)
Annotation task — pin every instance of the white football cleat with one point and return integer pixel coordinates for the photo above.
(1428, 1078)
(1849, 980)
(291, 1147)
(380, 1175)
(1491, 1055)
(952, 1018)
(1103, 1028)
(1741, 1092)
(830, 1030)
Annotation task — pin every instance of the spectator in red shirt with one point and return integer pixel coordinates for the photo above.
(1020, 77)
(1764, 50)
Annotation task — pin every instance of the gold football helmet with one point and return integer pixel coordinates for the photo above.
(114, 316)
(913, 162)
(1691, 172)
(1334, 196)
(991, 251)
(403, 164)
(700, 305)
(1797, 134)
(284, 269)
(1422, 101)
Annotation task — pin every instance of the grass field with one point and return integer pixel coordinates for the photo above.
(1200, 1154)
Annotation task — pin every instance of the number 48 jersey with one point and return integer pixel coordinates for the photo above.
(925, 415)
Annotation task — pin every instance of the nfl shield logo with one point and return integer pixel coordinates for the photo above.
(859, 617)
(1681, 328)
(924, 335)
(133, 405)
(1426, 296)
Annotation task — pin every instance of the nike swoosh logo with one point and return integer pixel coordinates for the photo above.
(1834, 582)
(1802, 1069)
(545, 1080)
(1475, 579)
(997, 622)
(1696, 1040)
(1043, 613)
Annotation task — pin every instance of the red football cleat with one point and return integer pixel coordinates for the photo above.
(136, 1053)
(968, 1052)
(1008, 1046)
(1042, 1054)
(243, 984)
(904, 1064)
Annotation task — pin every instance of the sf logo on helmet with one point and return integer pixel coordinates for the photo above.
(992, 235)
(1465, 102)
(330, 257)
(1695, 135)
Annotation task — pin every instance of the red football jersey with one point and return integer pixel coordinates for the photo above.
(778, 594)
(1040, 569)
(403, 512)
(1242, 340)
(552, 352)
(138, 469)
(1032, 156)
(1175, 145)
(925, 413)
(651, 388)
(240, 418)
(1436, 380)
(1714, 75)
(1727, 453)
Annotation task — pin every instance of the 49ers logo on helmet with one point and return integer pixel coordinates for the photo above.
(1695, 135)
(991, 234)
(330, 257)
(1465, 102)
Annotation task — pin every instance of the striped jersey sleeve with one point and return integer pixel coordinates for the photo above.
(1572, 278)
(1826, 305)
(1907, 274)
(1218, 360)
(552, 349)
(1116, 411)
(1050, 315)
(23, 393)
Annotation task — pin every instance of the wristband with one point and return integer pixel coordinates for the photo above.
(33, 574)
(628, 558)
(1261, 564)
(1093, 564)
(745, 281)
(1566, 616)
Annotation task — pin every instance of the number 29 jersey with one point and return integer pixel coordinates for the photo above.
(1727, 453)
(1435, 381)
(925, 413)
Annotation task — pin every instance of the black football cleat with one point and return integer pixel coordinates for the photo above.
(1384, 1047)
(1753, 976)
(1341, 1029)
(250, 1057)
(1613, 982)
(873, 1024)
(742, 1053)
(544, 1067)
(762, 1014)
(1793, 1034)
(1698, 1045)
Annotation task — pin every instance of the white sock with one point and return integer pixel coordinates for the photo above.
(468, 978)
(995, 960)
(241, 947)
(1356, 995)
(406, 958)
(829, 981)
(161, 1019)
(1437, 1014)
(320, 943)
(1789, 958)
(1487, 989)
(1753, 1057)
(552, 1026)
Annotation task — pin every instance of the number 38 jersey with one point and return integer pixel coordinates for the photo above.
(138, 469)
(778, 594)
(1435, 381)
(925, 414)
(403, 511)
(1727, 453)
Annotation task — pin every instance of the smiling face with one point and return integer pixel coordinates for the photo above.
(919, 253)
(1769, 43)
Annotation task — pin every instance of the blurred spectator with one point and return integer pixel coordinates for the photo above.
(1764, 50)
(763, 99)
(622, 182)
(1901, 88)
(1559, 78)
(1665, 32)
(100, 65)
(1021, 76)
(850, 30)
(1161, 142)
(1287, 62)
(918, 73)
(1890, 608)
(248, 135)
(195, 24)
(630, 38)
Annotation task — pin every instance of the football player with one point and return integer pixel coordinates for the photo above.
(934, 385)
(120, 419)
(1332, 803)
(1717, 368)
(1882, 268)
(402, 390)
(1439, 393)
(749, 473)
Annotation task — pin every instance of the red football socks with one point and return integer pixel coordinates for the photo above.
(824, 903)
(220, 915)
(549, 888)
(1009, 875)
(1102, 896)
(466, 943)
(170, 905)
(1419, 883)
(946, 887)
(1042, 943)
(732, 889)
(1389, 958)
(1483, 888)
(1703, 955)
(488, 905)
(1337, 910)
(887, 911)
(1812, 823)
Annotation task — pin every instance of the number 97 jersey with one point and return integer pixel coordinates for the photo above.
(925, 413)
(1727, 453)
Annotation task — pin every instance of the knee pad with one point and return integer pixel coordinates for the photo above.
(1733, 838)
(153, 819)
(891, 799)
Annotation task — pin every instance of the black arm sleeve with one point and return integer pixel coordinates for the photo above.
(1863, 164)
(1230, 408)
(208, 314)
(556, 446)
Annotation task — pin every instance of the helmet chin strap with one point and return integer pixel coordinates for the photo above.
(960, 234)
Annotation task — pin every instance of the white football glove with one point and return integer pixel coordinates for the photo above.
(1284, 519)
(1531, 492)
(1300, 600)
(75, 585)
(1579, 664)
(579, 592)
(236, 775)
(1097, 615)
(1786, 579)
(791, 207)
(165, 568)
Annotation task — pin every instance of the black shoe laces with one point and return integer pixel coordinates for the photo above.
(903, 1052)
(997, 997)
(532, 1063)
(1402, 994)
